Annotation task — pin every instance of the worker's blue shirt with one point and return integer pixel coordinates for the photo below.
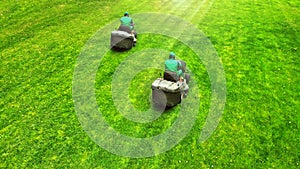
(172, 65)
(127, 21)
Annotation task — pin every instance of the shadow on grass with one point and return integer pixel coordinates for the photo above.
(115, 49)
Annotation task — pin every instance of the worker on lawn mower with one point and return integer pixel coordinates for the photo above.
(175, 71)
(127, 25)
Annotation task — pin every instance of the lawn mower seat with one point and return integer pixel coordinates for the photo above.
(124, 28)
(171, 76)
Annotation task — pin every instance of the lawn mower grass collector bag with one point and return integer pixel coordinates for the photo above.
(121, 40)
(165, 94)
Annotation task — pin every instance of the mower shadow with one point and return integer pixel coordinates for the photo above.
(119, 49)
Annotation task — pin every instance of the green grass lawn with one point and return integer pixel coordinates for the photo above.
(257, 41)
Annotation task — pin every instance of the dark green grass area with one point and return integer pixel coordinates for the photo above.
(257, 42)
